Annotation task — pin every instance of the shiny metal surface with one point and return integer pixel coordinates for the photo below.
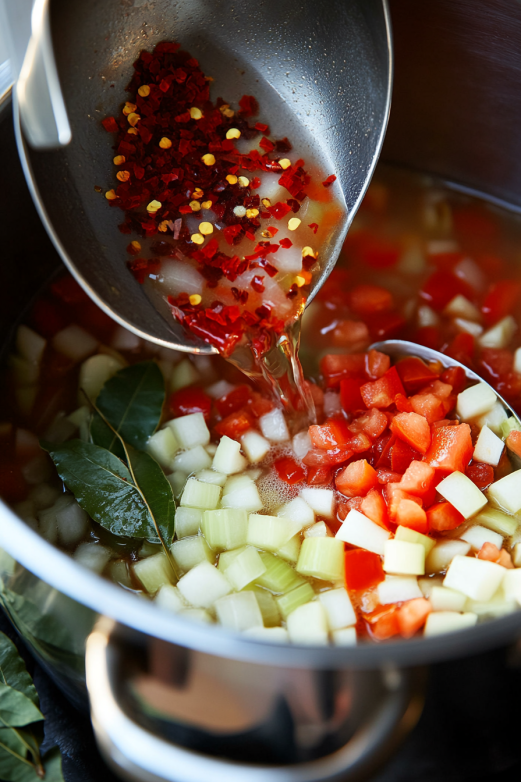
(322, 75)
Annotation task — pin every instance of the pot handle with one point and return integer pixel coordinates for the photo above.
(139, 755)
(38, 92)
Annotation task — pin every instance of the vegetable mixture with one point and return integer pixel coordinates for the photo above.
(396, 514)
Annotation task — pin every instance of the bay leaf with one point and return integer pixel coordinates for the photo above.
(103, 486)
(16, 765)
(132, 402)
(16, 709)
(157, 491)
(13, 671)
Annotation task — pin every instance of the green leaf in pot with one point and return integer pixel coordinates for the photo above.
(103, 486)
(156, 490)
(16, 709)
(13, 671)
(132, 402)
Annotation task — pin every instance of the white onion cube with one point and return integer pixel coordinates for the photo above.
(193, 460)
(475, 401)
(499, 335)
(360, 531)
(439, 622)
(507, 492)
(404, 558)
(512, 585)
(338, 607)
(211, 476)
(162, 446)
(242, 493)
(203, 585)
(397, 589)
(301, 444)
(322, 501)
(187, 521)
(445, 599)
(273, 426)
(344, 637)
(74, 342)
(189, 552)
(493, 418)
(476, 578)
(464, 495)
(197, 494)
(190, 430)
(298, 510)
(228, 458)
(255, 446)
(461, 307)
(170, 598)
(239, 612)
(478, 535)
(443, 553)
(489, 447)
(307, 624)
(29, 344)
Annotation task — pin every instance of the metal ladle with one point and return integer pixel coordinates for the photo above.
(322, 73)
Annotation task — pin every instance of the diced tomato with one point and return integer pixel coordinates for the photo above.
(505, 560)
(496, 363)
(500, 300)
(356, 479)
(461, 349)
(387, 325)
(258, 405)
(373, 506)
(46, 318)
(289, 470)
(360, 442)
(442, 287)
(332, 434)
(418, 478)
(319, 476)
(12, 483)
(363, 569)
(234, 425)
(491, 553)
(387, 476)
(380, 455)
(443, 516)
(68, 290)
(350, 396)
(451, 448)
(383, 622)
(233, 401)
(429, 336)
(336, 367)
(350, 334)
(377, 253)
(429, 406)
(455, 376)
(514, 442)
(402, 404)
(414, 374)
(315, 391)
(446, 261)
(394, 494)
(402, 455)
(368, 299)
(190, 400)
(382, 392)
(373, 423)
(409, 514)
(412, 615)
(475, 225)
(315, 457)
(482, 475)
(376, 364)
(412, 429)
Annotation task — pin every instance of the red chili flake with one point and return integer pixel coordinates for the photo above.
(132, 249)
(110, 125)
(255, 183)
(232, 233)
(142, 267)
(249, 235)
(314, 227)
(266, 144)
(271, 230)
(295, 206)
(286, 243)
(283, 145)
(257, 284)
(292, 292)
(261, 127)
(249, 106)
(145, 134)
(185, 210)
(239, 295)
(268, 268)
(329, 181)
(279, 210)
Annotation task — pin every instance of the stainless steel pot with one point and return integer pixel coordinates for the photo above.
(179, 701)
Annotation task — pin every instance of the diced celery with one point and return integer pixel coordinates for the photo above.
(162, 446)
(189, 430)
(498, 521)
(295, 598)
(510, 425)
(322, 558)
(201, 495)
(411, 536)
(291, 549)
(226, 557)
(270, 532)
(225, 529)
(241, 492)
(279, 576)
(184, 374)
(188, 521)
(188, 552)
(228, 458)
(239, 611)
(153, 572)
(245, 568)
(210, 476)
(267, 604)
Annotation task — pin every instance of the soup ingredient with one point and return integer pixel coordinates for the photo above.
(21, 735)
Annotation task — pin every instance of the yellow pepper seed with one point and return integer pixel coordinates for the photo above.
(231, 179)
(266, 202)
(198, 193)
(123, 176)
(133, 119)
(197, 238)
(163, 226)
(206, 228)
(251, 213)
(195, 299)
(195, 206)
(132, 131)
(229, 113)
(243, 181)
(144, 91)
(135, 245)
(300, 281)
(196, 113)
(208, 159)
(153, 206)
(119, 160)
(293, 223)
(240, 211)
(110, 195)
(165, 143)
(223, 108)
(128, 108)
(233, 133)
(285, 163)
(307, 251)
(207, 204)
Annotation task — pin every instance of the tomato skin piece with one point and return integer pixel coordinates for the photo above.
(451, 448)
(387, 476)
(382, 392)
(373, 423)
(319, 476)
(429, 406)
(376, 364)
(412, 615)
(190, 400)
(412, 429)
(233, 401)
(289, 471)
(315, 457)
(414, 374)
(443, 516)
(394, 494)
(418, 478)
(350, 396)
(363, 569)
(402, 455)
(47, 318)
(383, 622)
(462, 349)
(489, 552)
(356, 479)
(455, 377)
(482, 475)
(336, 367)
(373, 506)
(402, 404)
(330, 435)
(409, 514)
(234, 425)
(513, 442)
(500, 300)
